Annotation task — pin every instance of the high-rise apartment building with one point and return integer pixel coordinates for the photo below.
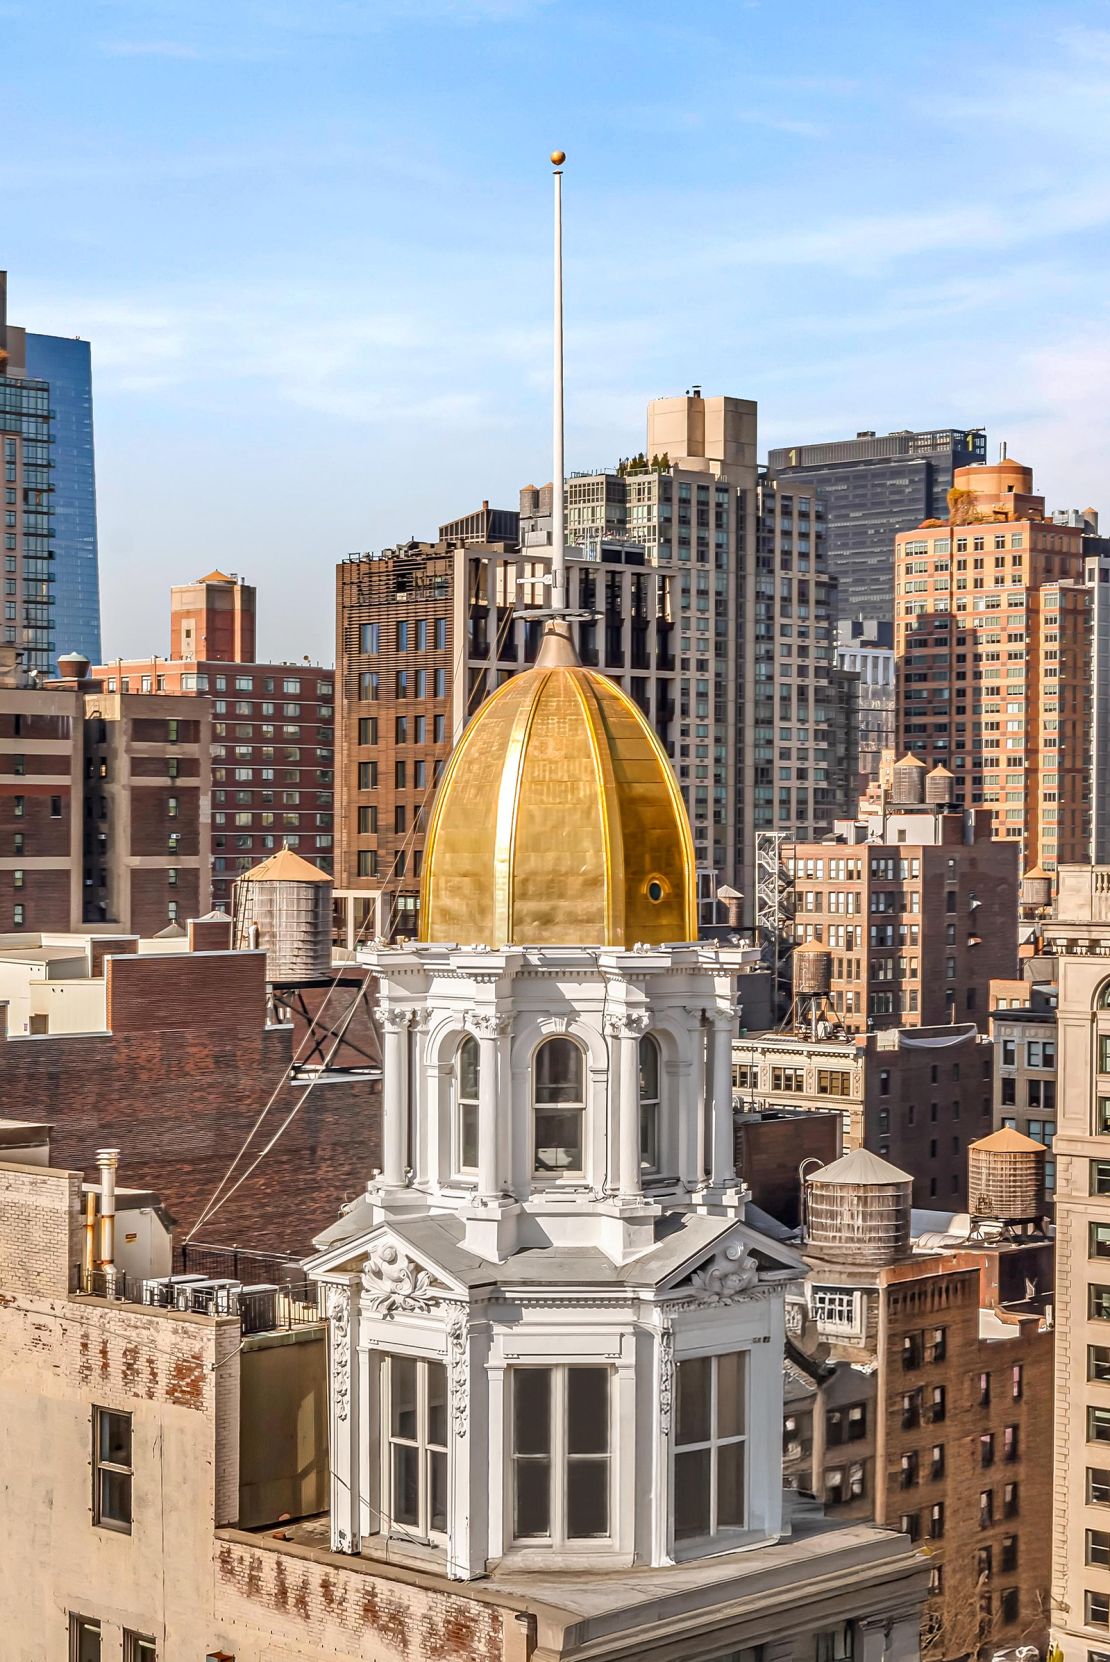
(272, 732)
(706, 596)
(103, 805)
(872, 487)
(994, 660)
(866, 649)
(66, 366)
(25, 434)
(1079, 935)
(917, 910)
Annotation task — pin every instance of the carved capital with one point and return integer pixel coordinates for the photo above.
(394, 1015)
(629, 1024)
(488, 1024)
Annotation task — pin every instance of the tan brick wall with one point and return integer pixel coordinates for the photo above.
(40, 1230)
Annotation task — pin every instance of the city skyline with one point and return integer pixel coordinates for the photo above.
(270, 227)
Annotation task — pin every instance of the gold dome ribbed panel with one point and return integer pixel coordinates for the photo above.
(558, 822)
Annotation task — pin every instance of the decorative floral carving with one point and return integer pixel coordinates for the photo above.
(666, 1380)
(339, 1315)
(395, 1284)
(629, 1024)
(457, 1334)
(487, 1023)
(731, 1273)
(394, 1015)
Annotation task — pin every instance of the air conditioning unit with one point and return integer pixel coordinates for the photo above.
(162, 1290)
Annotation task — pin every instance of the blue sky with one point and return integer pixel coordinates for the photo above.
(309, 241)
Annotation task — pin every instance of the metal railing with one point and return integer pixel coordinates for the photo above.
(261, 1307)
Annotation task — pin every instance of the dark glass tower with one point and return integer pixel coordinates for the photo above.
(66, 366)
(872, 487)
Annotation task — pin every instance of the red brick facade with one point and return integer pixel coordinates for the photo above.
(176, 1085)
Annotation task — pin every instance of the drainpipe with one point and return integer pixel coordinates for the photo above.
(89, 1263)
(108, 1160)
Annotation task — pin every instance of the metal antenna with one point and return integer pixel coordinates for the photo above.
(558, 528)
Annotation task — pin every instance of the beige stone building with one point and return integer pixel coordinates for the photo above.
(152, 1456)
(1080, 936)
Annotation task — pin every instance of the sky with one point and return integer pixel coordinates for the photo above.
(309, 241)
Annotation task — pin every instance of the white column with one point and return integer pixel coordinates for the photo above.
(343, 1397)
(489, 1176)
(724, 1145)
(624, 1155)
(394, 1027)
(630, 1173)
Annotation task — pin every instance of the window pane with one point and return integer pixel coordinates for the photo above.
(532, 1410)
(115, 1438)
(691, 1494)
(730, 1394)
(558, 1071)
(468, 1135)
(115, 1497)
(532, 1500)
(437, 1404)
(403, 1396)
(468, 1068)
(692, 1418)
(437, 1502)
(588, 1411)
(559, 1140)
(86, 1639)
(730, 1486)
(587, 1498)
(649, 1070)
(406, 1484)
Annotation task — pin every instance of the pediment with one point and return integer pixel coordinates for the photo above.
(732, 1266)
(397, 1277)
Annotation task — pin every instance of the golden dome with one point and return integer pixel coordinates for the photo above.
(558, 821)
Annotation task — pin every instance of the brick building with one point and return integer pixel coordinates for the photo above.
(993, 644)
(170, 1458)
(174, 1053)
(914, 1095)
(272, 728)
(103, 806)
(921, 1397)
(918, 909)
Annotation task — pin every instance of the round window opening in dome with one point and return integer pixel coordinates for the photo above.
(656, 889)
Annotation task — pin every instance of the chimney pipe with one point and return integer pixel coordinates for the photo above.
(89, 1264)
(108, 1160)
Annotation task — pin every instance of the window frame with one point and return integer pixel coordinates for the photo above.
(559, 1457)
(463, 1106)
(422, 1532)
(578, 1106)
(99, 1465)
(694, 1544)
(78, 1625)
(651, 1109)
(139, 1647)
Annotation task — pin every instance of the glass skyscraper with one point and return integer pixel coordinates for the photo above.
(66, 365)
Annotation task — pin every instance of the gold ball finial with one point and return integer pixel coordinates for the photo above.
(558, 157)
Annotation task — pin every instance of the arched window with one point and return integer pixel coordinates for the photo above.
(649, 1103)
(466, 1105)
(559, 1107)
